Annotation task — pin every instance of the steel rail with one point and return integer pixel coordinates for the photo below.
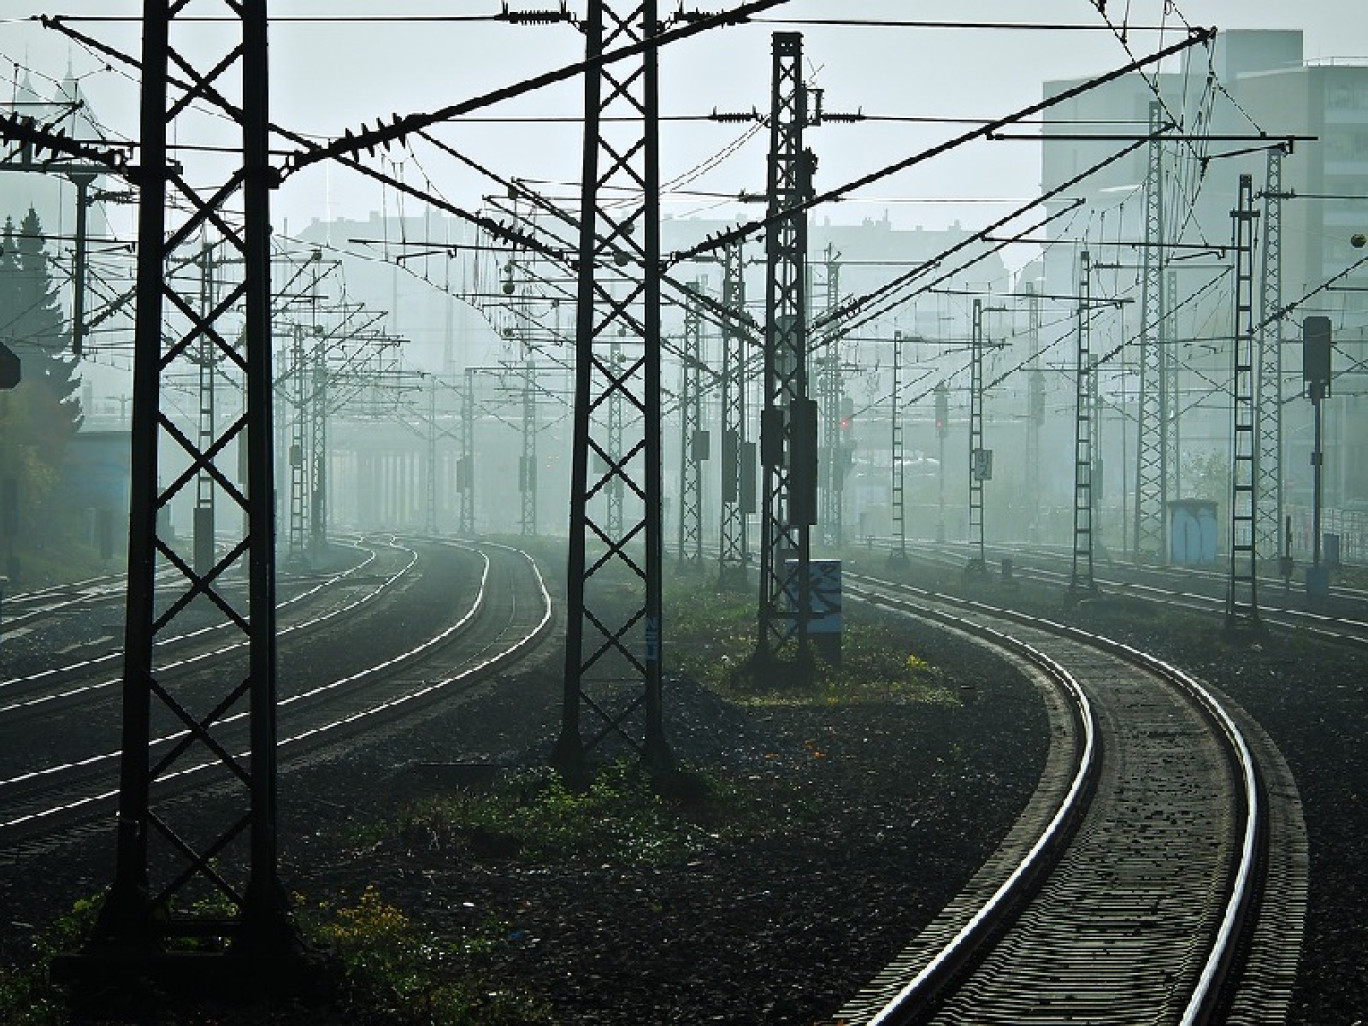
(313, 735)
(1202, 1004)
(922, 988)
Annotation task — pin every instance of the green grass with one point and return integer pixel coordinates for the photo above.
(623, 814)
(395, 972)
(712, 639)
(386, 970)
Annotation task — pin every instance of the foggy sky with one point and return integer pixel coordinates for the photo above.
(326, 78)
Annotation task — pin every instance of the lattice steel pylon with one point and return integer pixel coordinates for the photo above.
(692, 440)
(168, 866)
(318, 453)
(207, 426)
(465, 462)
(301, 388)
(1242, 596)
(788, 425)
(829, 396)
(1151, 471)
(1268, 401)
(979, 458)
(527, 464)
(738, 455)
(1081, 581)
(899, 482)
(1173, 429)
(613, 648)
(1035, 412)
(430, 459)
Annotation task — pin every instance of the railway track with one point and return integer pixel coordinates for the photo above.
(1158, 875)
(71, 632)
(1343, 620)
(495, 608)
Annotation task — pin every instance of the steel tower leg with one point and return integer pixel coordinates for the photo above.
(465, 468)
(738, 458)
(1081, 582)
(788, 426)
(978, 455)
(527, 465)
(430, 462)
(1035, 414)
(829, 393)
(204, 481)
(691, 438)
(613, 656)
(298, 446)
(318, 454)
(1268, 402)
(165, 867)
(1151, 474)
(899, 499)
(1242, 597)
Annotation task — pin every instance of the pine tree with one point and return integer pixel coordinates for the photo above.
(39, 339)
(39, 417)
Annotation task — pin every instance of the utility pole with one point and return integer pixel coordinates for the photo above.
(527, 465)
(738, 454)
(299, 426)
(693, 440)
(203, 525)
(1268, 400)
(829, 392)
(1316, 359)
(1081, 582)
(898, 559)
(613, 648)
(980, 458)
(465, 465)
(1151, 473)
(1242, 596)
(318, 455)
(942, 432)
(82, 180)
(1173, 429)
(788, 424)
(1035, 412)
(163, 866)
(430, 472)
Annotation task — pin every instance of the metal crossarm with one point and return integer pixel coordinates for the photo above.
(1242, 596)
(1081, 580)
(788, 442)
(166, 868)
(613, 658)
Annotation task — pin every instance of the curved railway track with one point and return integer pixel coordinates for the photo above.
(1344, 619)
(1158, 875)
(496, 606)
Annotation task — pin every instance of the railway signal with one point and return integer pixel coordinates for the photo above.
(10, 370)
(1317, 344)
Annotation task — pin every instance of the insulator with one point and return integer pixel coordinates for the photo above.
(537, 17)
